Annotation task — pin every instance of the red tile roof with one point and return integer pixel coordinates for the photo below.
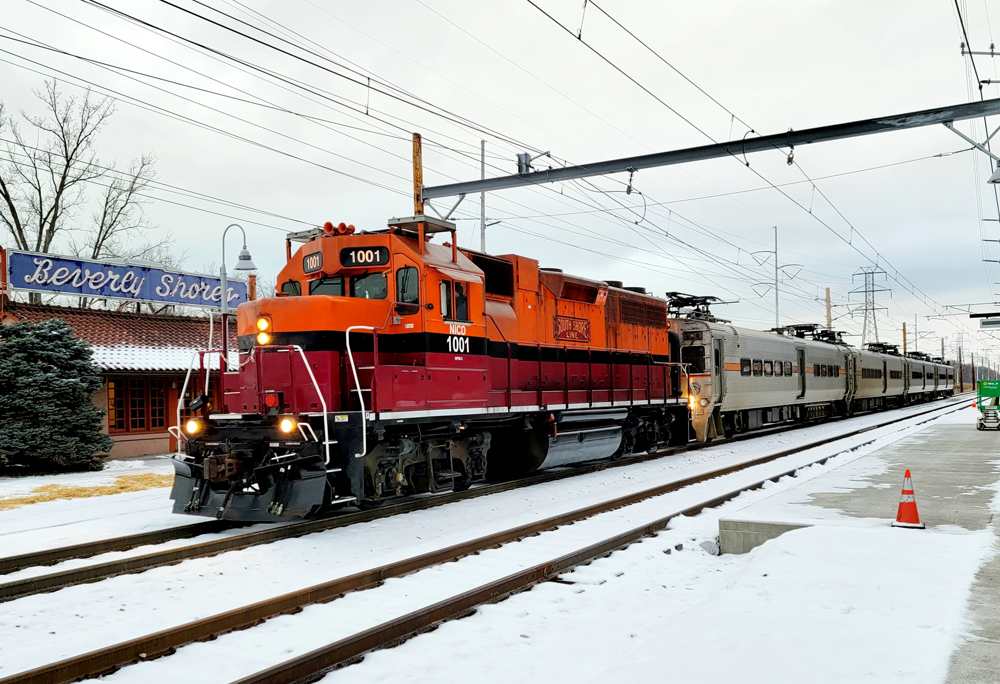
(128, 341)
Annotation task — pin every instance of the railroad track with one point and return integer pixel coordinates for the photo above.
(10, 591)
(312, 664)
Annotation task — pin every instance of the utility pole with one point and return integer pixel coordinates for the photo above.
(482, 197)
(916, 336)
(418, 177)
(942, 348)
(904, 338)
(829, 316)
(961, 372)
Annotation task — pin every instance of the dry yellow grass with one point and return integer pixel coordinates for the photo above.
(52, 492)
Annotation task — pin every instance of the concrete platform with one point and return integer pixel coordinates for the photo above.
(955, 472)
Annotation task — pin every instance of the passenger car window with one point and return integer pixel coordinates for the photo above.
(768, 368)
(461, 301)
(292, 287)
(331, 285)
(407, 288)
(746, 368)
(788, 368)
(369, 286)
(758, 367)
(445, 299)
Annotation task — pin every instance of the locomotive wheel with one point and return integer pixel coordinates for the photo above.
(370, 504)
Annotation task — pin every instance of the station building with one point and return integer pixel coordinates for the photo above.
(143, 360)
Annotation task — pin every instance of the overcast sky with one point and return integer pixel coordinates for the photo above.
(296, 148)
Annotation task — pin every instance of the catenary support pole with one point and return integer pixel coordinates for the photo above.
(904, 338)
(482, 197)
(777, 322)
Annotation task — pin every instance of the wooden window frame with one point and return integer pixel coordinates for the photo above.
(125, 384)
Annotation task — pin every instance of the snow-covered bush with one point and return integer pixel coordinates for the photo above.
(48, 420)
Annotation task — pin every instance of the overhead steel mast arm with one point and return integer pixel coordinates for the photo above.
(736, 148)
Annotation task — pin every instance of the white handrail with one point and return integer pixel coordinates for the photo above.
(180, 399)
(357, 386)
(326, 422)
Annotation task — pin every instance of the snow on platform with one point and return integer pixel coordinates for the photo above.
(953, 467)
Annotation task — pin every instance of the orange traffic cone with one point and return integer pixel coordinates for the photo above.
(907, 515)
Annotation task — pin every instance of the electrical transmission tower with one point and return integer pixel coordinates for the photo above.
(869, 331)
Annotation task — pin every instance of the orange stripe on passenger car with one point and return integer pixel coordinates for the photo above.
(732, 367)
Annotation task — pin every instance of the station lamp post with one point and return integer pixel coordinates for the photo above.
(243, 263)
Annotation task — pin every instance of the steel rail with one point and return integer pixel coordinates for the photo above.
(93, 573)
(111, 658)
(85, 550)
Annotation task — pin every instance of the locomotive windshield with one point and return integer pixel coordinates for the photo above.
(369, 286)
(695, 356)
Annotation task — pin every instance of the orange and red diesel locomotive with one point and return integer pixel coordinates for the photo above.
(388, 364)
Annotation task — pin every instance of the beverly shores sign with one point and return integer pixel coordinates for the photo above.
(114, 279)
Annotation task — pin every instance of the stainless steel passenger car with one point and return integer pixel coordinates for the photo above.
(743, 379)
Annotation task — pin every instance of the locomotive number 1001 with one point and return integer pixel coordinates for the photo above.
(364, 256)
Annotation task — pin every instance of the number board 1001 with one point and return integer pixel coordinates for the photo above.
(351, 257)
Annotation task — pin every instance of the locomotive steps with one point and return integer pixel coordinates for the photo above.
(354, 645)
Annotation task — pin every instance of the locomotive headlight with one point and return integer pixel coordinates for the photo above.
(263, 338)
(263, 324)
(192, 427)
(286, 425)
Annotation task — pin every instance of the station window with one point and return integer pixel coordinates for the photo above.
(768, 368)
(291, 287)
(407, 289)
(369, 286)
(136, 404)
(758, 367)
(331, 285)
(746, 367)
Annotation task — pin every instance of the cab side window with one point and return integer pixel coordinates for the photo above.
(407, 289)
(445, 299)
(461, 301)
(292, 287)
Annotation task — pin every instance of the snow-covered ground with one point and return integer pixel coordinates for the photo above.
(75, 521)
(49, 627)
(124, 607)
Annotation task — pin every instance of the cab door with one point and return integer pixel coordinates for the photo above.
(801, 353)
(719, 370)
